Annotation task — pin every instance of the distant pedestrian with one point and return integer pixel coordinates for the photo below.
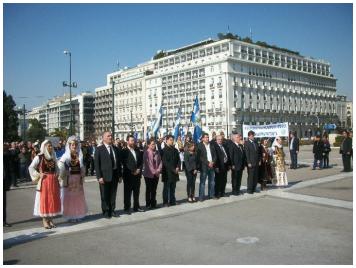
(326, 151)
(318, 149)
(44, 172)
(294, 150)
(346, 151)
(151, 170)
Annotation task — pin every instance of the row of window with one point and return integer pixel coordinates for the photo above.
(199, 53)
(282, 61)
(183, 76)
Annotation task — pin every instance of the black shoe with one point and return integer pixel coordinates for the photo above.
(115, 214)
(127, 211)
(7, 224)
(107, 215)
(139, 210)
(249, 192)
(172, 204)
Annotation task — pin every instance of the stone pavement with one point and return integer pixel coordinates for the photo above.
(309, 222)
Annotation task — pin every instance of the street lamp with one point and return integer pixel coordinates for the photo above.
(70, 85)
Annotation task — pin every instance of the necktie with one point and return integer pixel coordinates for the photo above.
(112, 158)
(225, 156)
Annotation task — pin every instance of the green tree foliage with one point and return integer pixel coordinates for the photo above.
(10, 118)
(159, 55)
(223, 36)
(62, 133)
(36, 131)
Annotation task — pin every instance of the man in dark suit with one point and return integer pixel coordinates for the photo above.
(238, 163)
(108, 169)
(221, 167)
(206, 156)
(170, 171)
(253, 162)
(293, 149)
(345, 151)
(133, 162)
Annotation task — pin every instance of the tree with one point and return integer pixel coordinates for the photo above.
(160, 54)
(11, 121)
(36, 131)
(61, 133)
(247, 40)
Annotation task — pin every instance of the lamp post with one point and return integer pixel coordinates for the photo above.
(70, 85)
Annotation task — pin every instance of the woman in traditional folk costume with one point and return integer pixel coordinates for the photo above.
(72, 172)
(265, 170)
(44, 172)
(280, 166)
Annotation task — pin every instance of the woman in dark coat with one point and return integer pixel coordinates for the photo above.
(191, 170)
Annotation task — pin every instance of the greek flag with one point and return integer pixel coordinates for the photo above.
(196, 120)
(135, 136)
(158, 123)
(182, 134)
(177, 124)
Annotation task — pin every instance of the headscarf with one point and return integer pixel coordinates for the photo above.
(45, 153)
(67, 157)
(275, 143)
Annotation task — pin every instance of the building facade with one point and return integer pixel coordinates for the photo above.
(349, 116)
(55, 114)
(341, 110)
(236, 83)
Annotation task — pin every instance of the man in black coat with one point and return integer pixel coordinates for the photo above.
(345, 151)
(253, 160)
(206, 156)
(294, 150)
(238, 163)
(133, 162)
(108, 169)
(318, 149)
(170, 171)
(221, 167)
(6, 181)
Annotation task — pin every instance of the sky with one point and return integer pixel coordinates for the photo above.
(98, 35)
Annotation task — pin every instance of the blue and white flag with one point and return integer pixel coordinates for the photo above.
(182, 134)
(196, 120)
(177, 124)
(135, 135)
(158, 123)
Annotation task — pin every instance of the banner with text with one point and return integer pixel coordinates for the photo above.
(267, 131)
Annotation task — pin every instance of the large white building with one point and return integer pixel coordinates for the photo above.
(55, 114)
(236, 82)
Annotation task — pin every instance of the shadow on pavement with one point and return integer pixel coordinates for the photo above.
(8, 243)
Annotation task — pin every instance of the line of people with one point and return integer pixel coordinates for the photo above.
(113, 165)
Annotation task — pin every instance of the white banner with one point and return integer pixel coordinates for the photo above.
(267, 131)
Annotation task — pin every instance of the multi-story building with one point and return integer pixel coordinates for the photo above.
(129, 100)
(349, 114)
(237, 83)
(55, 114)
(341, 110)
